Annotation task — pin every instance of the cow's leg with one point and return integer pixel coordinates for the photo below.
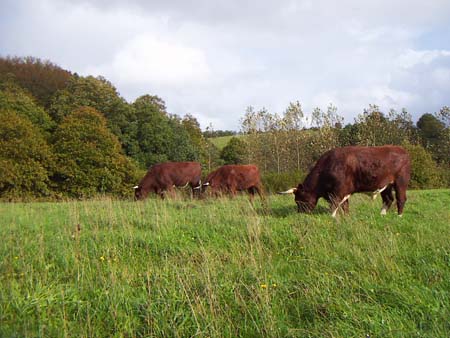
(345, 206)
(258, 189)
(337, 202)
(388, 198)
(196, 186)
(400, 185)
(251, 192)
(400, 195)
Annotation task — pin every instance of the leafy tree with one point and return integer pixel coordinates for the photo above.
(42, 79)
(181, 147)
(160, 137)
(192, 127)
(327, 135)
(25, 158)
(89, 157)
(294, 122)
(430, 129)
(348, 136)
(13, 98)
(424, 170)
(372, 127)
(435, 136)
(100, 94)
(234, 151)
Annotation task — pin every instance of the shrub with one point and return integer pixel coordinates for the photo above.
(424, 170)
(25, 158)
(89, 157)
(274, 182)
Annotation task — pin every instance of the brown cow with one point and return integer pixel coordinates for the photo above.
(341, 172)
(233, 178)
(164, 177)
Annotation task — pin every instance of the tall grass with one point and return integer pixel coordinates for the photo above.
(224, 268)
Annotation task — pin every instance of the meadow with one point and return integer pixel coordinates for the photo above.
(225, 268)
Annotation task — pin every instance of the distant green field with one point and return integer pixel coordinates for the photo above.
(222, 141)
(223, 268)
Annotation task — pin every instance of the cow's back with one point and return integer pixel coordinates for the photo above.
(363, 168)
(239, 177)
(175, 173)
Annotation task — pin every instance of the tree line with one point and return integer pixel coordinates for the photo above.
(288, 144)
(69, 136)
(64, 135)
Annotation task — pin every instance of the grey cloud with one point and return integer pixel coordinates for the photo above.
(261, 53)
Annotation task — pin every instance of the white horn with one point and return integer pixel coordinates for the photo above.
(135, 187)
(290, 191)
(207, 183)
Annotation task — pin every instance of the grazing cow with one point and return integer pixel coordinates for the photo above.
(164, 177)
(233, 178)
(341, 172)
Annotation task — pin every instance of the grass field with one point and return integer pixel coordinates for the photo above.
(221, 268)
(221, 141)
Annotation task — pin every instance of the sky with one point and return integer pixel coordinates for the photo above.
(213, 59)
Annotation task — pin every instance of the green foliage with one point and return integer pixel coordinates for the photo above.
(424, 171)
(373, 128)
(274, 182)
(224, 268)
(160, 137)
(40, 78)
(25, 158)
(234, 152)
(13, 98)
(100, 94)
(435, 135)
(89, 157)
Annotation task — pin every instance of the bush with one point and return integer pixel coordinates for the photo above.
(25, 158)
(274, 182)
(89, 157)
(425, 173)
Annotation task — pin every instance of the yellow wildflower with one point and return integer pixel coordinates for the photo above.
(102, 258)
(263, 286)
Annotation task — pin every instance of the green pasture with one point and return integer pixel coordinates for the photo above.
(221, 141)
(225, 268)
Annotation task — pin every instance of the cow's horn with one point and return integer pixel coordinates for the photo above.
(290, 191)
(207, 183)
(135, 187)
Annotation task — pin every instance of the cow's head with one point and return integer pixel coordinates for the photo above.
(205, 186)
(305, 200)
(138, 193)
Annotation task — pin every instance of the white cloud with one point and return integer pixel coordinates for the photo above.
(215, 58)
(146, 59)
(411, 58)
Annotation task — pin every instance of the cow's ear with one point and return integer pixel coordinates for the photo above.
(300, 187)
